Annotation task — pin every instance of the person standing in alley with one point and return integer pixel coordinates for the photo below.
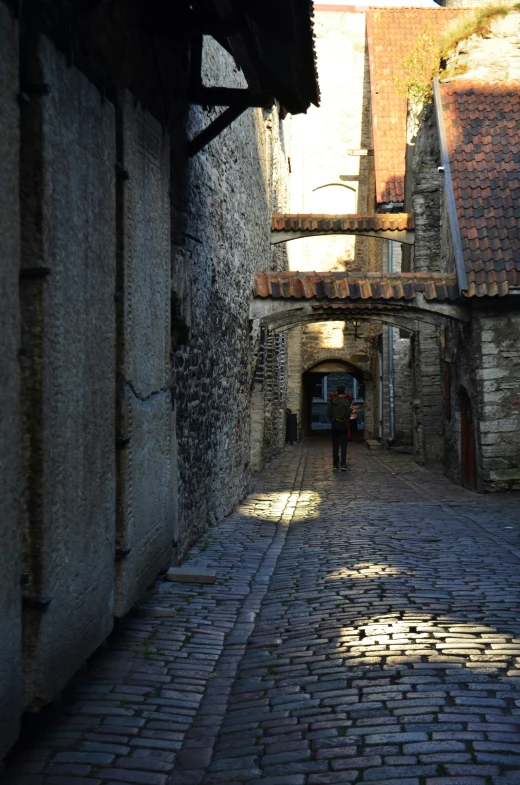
(338, 410)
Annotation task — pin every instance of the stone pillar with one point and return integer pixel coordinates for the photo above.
(427, 397)
(402, 390)
(294, 374)
(10, 486)
(146, 482)
(497, 339)
(68, 384)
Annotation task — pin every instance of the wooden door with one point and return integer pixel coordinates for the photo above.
(468, 454)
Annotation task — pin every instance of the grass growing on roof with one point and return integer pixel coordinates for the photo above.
(424, 61)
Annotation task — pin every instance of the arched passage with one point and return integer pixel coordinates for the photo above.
(318, 382)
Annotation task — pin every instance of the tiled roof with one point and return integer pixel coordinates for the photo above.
(339, 286)
(392, 34)
(482, 125)
(347, 223)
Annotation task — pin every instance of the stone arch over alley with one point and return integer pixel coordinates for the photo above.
(389, 326)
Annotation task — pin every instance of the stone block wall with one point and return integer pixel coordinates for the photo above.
(146, 481)
(484, 361)
(68, 211)
(402, 389)
(427, 392)
(294, 374)
(498, 380)
(10, 343)
(231, 190)
(424, 186)
(128, 362)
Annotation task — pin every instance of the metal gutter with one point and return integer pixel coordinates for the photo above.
(448, 191)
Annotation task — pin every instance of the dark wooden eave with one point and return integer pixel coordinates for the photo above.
(272, 43)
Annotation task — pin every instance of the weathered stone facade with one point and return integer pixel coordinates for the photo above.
(474, 369)
(231, 189)
(68, 228)
(10, 447)
(133, 366)
(146, 472)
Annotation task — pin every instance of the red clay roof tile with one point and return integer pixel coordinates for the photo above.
(369, 286)
(375, 222)
(392, 35)
(484, 163)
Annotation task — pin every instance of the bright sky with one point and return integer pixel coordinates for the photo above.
(397, 3)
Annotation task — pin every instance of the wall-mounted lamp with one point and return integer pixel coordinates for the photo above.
(355, 325)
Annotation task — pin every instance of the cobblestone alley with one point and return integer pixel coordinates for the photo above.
(364, 627)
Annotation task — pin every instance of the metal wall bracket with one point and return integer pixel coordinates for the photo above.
(36, 603)
(121, 553)
(122, 441)
(34, 272)
(121, 172)
(36, 89)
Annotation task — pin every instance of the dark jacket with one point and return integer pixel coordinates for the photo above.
(339, 408)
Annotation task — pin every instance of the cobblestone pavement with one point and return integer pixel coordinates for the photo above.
(364, 628)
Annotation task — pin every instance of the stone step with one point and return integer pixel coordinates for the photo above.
(191, 575)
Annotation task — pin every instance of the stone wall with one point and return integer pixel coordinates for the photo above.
(484, 361)
(498, 378)
(68, 213)
(10, 485)
(146, 481)
(294, 374)
(481, 359)
(402, 389)
(136, 358)
(427, 400)
(230, 194)
(424, 186)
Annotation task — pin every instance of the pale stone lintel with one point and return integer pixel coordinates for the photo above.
(397, 236)
(191, 575)
(270, 310)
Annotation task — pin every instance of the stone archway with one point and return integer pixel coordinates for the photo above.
(318, 380)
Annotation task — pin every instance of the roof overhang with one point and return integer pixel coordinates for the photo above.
(272, 42)
(287, 298)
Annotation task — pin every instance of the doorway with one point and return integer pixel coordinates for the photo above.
(468, 443)
(317, 387)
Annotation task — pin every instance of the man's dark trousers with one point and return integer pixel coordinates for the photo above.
(339, 435)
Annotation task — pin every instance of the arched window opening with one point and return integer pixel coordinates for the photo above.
(333, 198)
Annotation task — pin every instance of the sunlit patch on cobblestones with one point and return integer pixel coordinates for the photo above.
(359, 631)
(363, 570)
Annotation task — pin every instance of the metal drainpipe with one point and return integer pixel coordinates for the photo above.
(391, 368)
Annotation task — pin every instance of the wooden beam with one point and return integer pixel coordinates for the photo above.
(226, 96)
(214, 129)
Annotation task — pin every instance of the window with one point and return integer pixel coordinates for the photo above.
(319, 390)
(333, 199)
